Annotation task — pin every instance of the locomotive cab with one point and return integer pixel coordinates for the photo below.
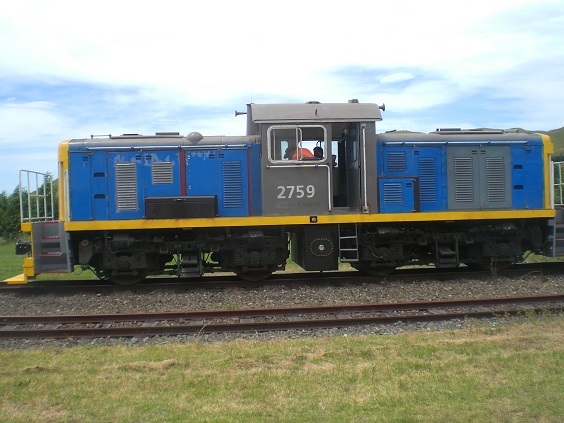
(302, 184)
(333, 182)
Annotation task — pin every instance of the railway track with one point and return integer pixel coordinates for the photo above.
(268, 319)
(224, 281)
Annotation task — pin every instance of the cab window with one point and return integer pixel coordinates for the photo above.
(297, 143)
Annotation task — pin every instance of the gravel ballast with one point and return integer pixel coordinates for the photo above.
(290, 295)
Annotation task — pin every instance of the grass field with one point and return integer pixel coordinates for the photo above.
(10, 264)
(507, 374)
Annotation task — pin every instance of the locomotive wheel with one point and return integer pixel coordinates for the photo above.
(254, 276)
(126, 280)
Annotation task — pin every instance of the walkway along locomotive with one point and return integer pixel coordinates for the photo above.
(132, 206)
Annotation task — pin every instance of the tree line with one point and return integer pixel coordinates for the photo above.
(10, 215)
(10, 219)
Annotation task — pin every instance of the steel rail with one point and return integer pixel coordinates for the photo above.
(10, 322)
(200, 329)
(282, 311)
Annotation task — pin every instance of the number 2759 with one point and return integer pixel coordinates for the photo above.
(296, 191)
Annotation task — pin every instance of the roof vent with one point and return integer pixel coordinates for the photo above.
(167, 133)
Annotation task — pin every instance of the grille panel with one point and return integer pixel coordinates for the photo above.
(232, 184)
(161, 173)
(495, 174)
(393, 193)
(427, 180)
(396, 162)
(126, 186)
(463, 179)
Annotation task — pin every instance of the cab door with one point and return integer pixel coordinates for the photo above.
(353, 163)
(294, 182)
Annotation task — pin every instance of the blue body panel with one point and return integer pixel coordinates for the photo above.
(426, 163)
(106, 184)
(135, 208)
(226, 174)
(80, 186)
(397, 195)
(527, 175)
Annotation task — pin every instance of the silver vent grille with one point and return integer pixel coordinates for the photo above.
(396, 162)
(126, 186)
(463, 180)
(393, 193)
(161, 173)
(495, 174)
(427, 180)
(232, 184)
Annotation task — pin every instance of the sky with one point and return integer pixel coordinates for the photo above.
(71, 69)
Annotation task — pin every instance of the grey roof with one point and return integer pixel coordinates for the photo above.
(316, 112)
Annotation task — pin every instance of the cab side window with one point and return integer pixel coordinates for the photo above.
(297, 143)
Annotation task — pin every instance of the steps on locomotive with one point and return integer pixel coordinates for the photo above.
(556, 236)
(50, 248)
(348, 243)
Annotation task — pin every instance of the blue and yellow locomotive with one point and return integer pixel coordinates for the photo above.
(132, 206)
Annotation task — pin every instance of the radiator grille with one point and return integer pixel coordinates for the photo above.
(161, 173)
(463, 179)
(232, 184)
(495, 174)
(396, 161)
(393, 193)
(427, 180)
(126, 186)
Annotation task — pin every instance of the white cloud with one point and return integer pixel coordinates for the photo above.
(26, 121)
(396, 77)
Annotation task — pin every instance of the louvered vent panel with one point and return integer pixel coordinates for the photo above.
(463, 179)
(232, 184)
(161, 173)
(427, 180)
(126, 186)
(396, 161)
(495, 174)
(393, 193)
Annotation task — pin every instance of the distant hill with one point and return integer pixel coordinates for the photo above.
(557, 136)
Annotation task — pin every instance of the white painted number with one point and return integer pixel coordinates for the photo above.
(296, 191)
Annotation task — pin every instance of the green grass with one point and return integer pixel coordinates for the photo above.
(513, 373)
(10, 264)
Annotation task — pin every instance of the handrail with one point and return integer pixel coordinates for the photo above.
(558, 183)
(36, 196)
